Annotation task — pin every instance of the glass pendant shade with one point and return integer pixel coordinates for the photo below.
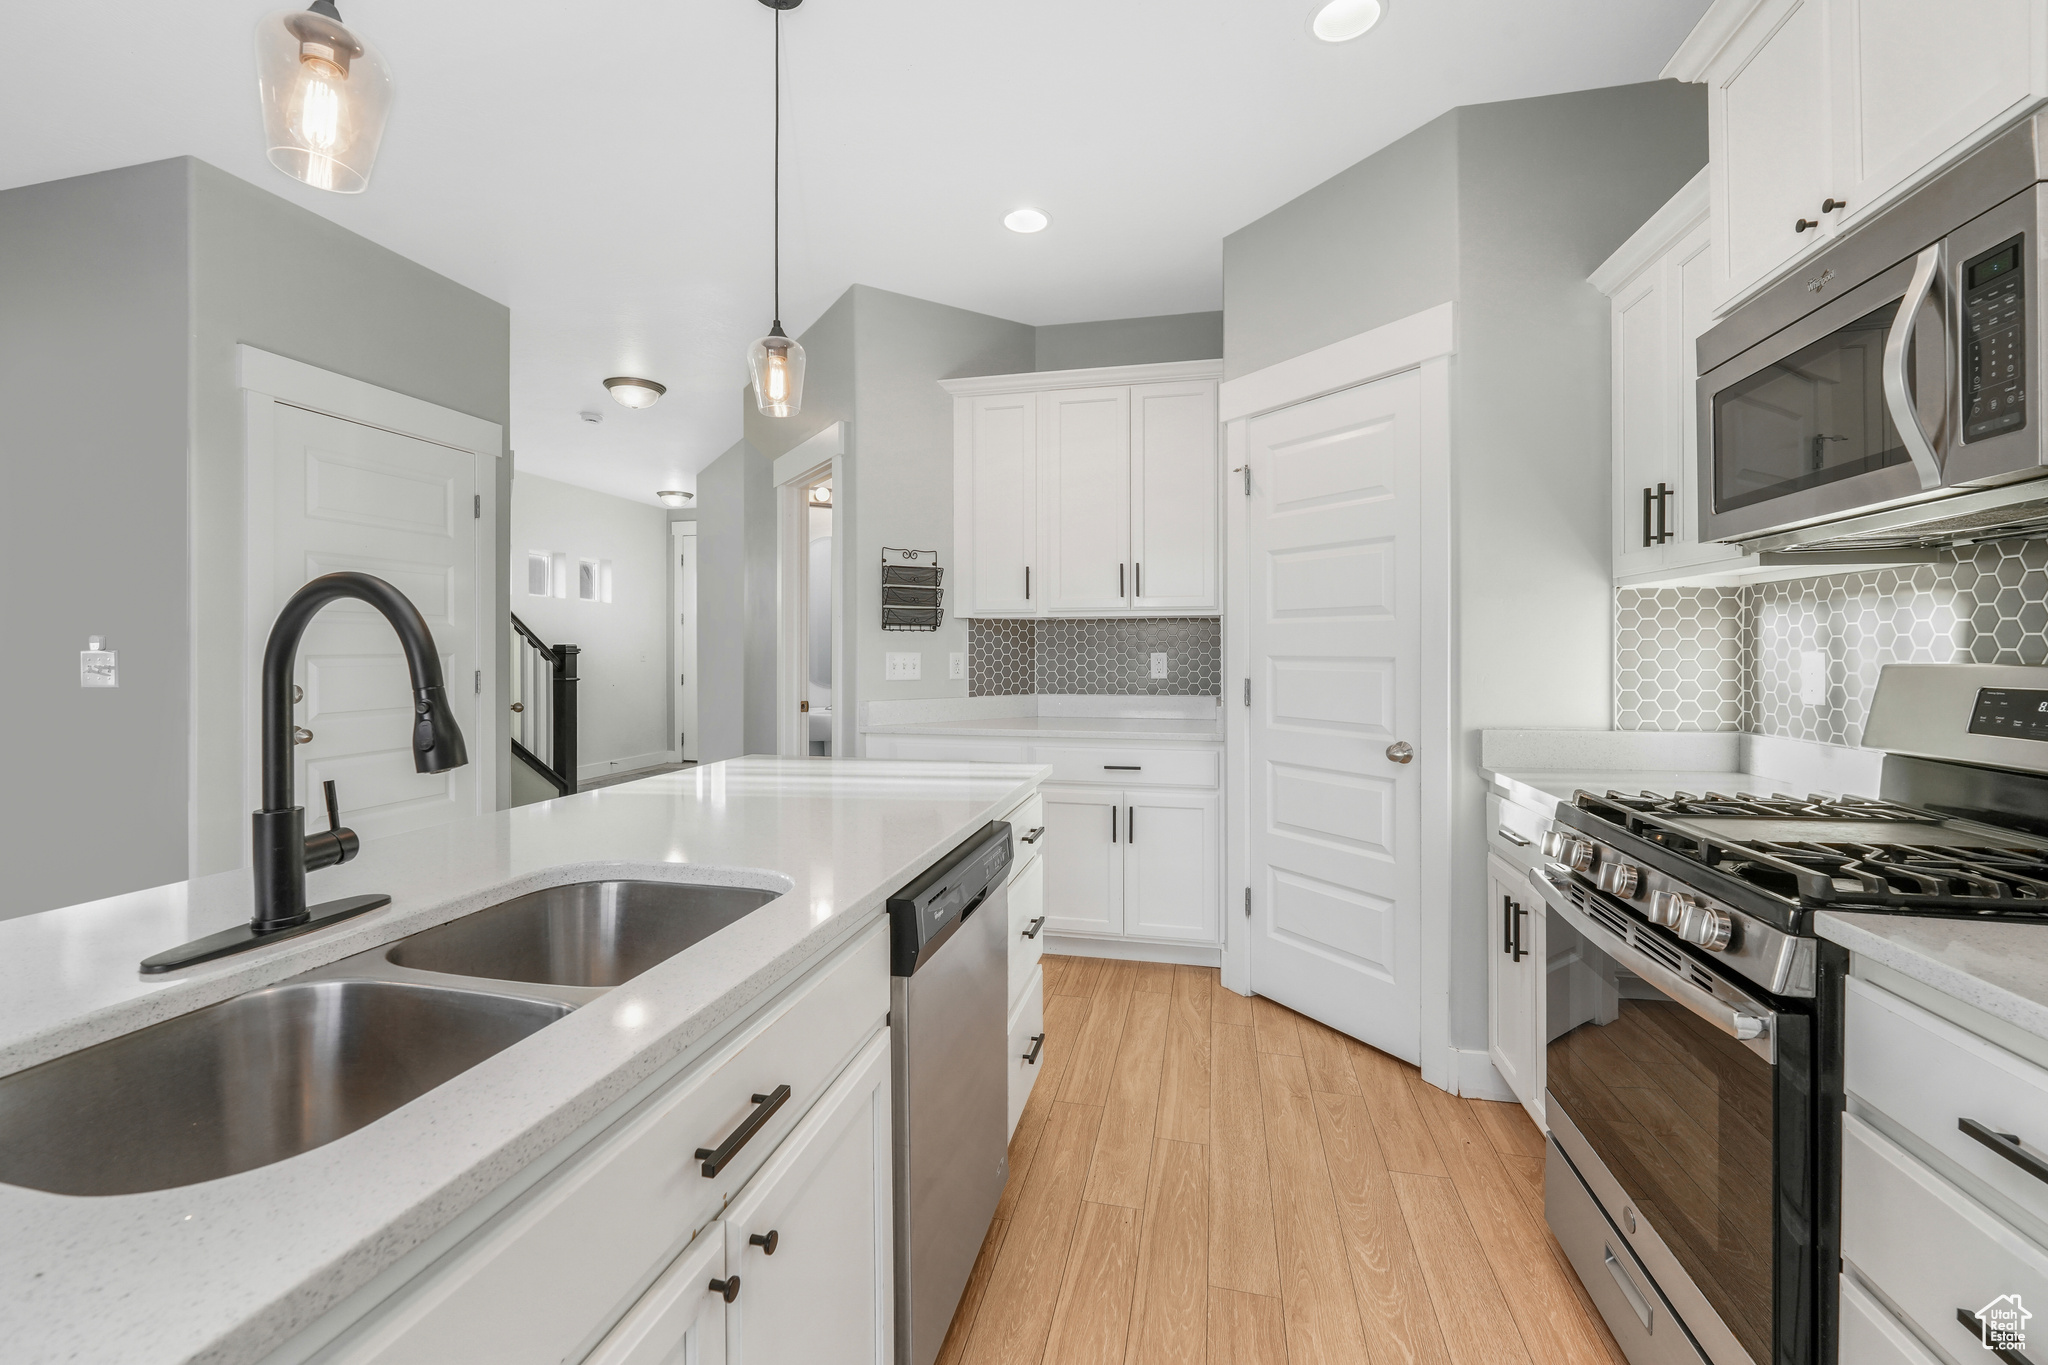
(325, 96)
(777, 366)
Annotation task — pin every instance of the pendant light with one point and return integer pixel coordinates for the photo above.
(325, 96)
(775, 362)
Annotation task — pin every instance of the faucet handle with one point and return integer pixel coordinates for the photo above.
(333, 806)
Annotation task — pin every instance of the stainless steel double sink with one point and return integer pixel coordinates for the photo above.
(290, 1067)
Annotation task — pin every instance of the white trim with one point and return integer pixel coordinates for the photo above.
(630, 763)
(1681, 213)
(304, 386)
(821, 455)
(1076, 379)
(1722, 21)
(1399, 345)
(1477, 1078)
(1132, 950)
(807, 456)
(683, 641)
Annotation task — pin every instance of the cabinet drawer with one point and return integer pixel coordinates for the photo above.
(948, 748)
(1517, 827)
(538, 1283)
(1027, 832)
(1870, 1335)
(1027, 1031)
(1930, 1249)
(1027, 940)
(1130, 767)
(1927, 1075)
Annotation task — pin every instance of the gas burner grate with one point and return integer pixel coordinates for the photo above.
(1778, 807)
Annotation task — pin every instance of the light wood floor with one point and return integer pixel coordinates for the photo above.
(1204, 1178)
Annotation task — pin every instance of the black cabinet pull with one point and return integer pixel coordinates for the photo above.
(2009, 1146)
(1664, 531)
(1131, 825)
(1507, 924)
(1830, 204)
(714, 1160)
(1648, 497)
(1137, 579)
(1036, 925)
(1123, 767)
(727, 1288)
(768, 1243)
(1027, 582)
(1520, 914)
(1976, 1325)
(1112, 824)
(1037, 1042)
(1119, 580)
(1034, 836)
(1803, 224)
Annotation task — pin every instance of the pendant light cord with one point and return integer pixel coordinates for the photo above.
(778, 168)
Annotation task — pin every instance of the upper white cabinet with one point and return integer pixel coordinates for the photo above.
(1087, 493)
(1820, 112)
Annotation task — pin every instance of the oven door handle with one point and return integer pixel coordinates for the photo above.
(1898, 394)
(1738, 1024)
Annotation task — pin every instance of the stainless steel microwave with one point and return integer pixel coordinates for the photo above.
(1890, 393)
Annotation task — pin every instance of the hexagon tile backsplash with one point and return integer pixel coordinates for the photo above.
(1066, 657)
(1730, 658)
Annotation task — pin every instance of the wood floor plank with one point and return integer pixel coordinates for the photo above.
(1274, 1025)
(1052, 964)
(1094, 1064)
(1509, 1128)
(1169, 1310)
(1462, 1287)
(1396, 1121)
(954, 1347)
(1527, 1173)
(1241, 1238)
(1323, 1326)
(1081, 975)
(1152, 976)
(1245, 1329)
(1024, 1289)
(1184, 1079)
(1328, 1054)
(1123, 1152)
(1394, 1304)
(1226, 1006)
(1064, 1015)
(1094, 1313)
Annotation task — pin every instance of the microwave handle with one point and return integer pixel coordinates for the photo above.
(1898, 395)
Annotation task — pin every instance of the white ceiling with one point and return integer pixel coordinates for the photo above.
(602, 166)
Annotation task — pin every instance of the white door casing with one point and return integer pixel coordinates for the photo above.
(1333, 528)
(683, 564)
(819, 457)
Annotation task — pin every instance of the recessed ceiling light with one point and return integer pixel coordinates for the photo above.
(674, 497)
(1025, 220)
(594, 418)
(635, 393)
(1339, 21)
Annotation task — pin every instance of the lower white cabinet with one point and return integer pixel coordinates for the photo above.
(1027, 1043)
(681, 1318)
(1084, 888)
(1514, 1034)
(1140, 863)
(1027, 927)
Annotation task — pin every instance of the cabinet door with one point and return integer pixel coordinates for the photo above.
(1170, 876)
(815, 1287)
(1514, 919)
(1912, 84)
(1645, 431)
(1175, 504)
(996, 500)
(1084, 885)
(1084, 491)
(1768, 115)
(679, 1319)
(1027, 924)
(1688, 274)
(1027, 1043)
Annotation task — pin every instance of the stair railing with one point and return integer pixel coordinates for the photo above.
(544, 706)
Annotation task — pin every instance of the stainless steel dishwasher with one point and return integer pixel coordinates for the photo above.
(949, 959)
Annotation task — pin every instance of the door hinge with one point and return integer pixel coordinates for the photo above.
(682, 559)
(1247, 902)
(1247, 691)
(479, 682)
(476, 507)
(1246, 470)
(682, 679)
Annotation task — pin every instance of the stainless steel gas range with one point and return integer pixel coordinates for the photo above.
(1694, 1084)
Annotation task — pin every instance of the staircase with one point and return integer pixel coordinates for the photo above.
(544, 707)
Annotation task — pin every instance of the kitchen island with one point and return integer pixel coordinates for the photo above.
(238, 1269)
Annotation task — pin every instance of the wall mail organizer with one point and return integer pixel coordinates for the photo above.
(910, 589)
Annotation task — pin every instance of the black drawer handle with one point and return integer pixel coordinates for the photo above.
(768, 1243)
(1976, 1326)
(714, 1161)
(1037, 1042)
(1123, 768)
(2009, 1146)
(1034, 836)
(727, 1288)
(1036, 925)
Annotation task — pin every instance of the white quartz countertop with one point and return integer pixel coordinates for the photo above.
(1063, 727)
(1544, 790)
(227, 1270)
(2002, 969)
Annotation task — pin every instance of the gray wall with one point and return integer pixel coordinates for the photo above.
(1128, 341)
(735, 605)
(93, 314)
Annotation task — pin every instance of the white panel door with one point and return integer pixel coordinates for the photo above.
(680, 1320)
(1175, 512)
(1002, 501)
(1084, 883)
(1084, 491)
(348, 496)
(1334, 563)
(1170, 875)
(1768, 125)
(810, 1237)
(1645, 431)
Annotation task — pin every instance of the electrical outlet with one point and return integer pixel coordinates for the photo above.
(1158, 665)
(905, 667)
(956, 665)
(1813, 677)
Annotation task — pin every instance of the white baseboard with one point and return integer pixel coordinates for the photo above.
(1476, 1077)
(630, 763)
(1125, 950)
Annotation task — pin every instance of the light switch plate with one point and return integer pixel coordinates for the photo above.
(956, 665)
(905, 667)
(1158, 665)
(1813, 677)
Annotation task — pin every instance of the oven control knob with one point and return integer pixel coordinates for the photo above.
(1709, 928)
(1556, 843)
(1619, 879)
(1576, 854)
(1668, 908)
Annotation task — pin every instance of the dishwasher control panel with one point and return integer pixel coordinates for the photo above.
(924, 914)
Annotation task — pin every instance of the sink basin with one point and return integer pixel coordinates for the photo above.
(585, 934)
(249, 1081)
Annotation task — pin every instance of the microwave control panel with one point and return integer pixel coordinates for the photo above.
(1994, 341)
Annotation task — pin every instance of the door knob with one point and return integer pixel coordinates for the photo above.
(518, 706)
(301, 735)
(1401, 751)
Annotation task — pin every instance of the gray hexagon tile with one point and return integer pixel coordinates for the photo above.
(1095, 656)
(1681, 659)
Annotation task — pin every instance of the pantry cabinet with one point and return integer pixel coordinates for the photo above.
(1087, 493)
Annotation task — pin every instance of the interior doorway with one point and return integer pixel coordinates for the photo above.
(819, 611)
(811, 706)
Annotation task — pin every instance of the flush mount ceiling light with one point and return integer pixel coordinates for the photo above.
(325, 96)
(821, 497)
(1025, 220)
(1339, 21)
(775, 363)
(635, 393)
(674, 497)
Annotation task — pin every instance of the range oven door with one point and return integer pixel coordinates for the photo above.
(1912, 386)
(1670, 1089)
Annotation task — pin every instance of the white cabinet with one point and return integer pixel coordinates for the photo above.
(1084, 884)
(1026, 891)
(1137, 862)
(1515, 919)
(1821, 112)
(680, 1318)
(1087, 493)
(1027, 1043)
